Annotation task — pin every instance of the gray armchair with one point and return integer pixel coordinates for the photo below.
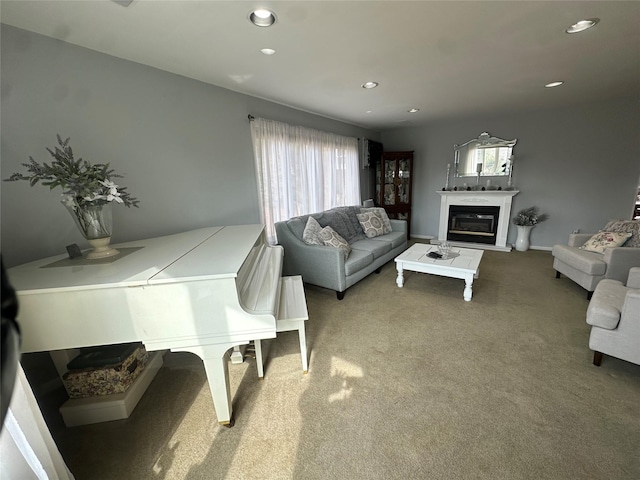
(587, 269)
(614, 316)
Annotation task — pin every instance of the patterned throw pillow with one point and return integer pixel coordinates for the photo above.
(372, 225)
(383, 215)
(626, 226)
(331, 238)
(311, 234)
(598, 242)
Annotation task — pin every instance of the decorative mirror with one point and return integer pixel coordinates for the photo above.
(485, 156)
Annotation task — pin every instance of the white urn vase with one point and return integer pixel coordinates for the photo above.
(95, 222)
(522, 241)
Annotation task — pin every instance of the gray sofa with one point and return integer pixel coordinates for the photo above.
(325, 266)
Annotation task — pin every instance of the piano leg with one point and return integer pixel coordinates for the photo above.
(237, 356)
(216, 366)
(259, 364)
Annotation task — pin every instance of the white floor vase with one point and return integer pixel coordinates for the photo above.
(522, 241)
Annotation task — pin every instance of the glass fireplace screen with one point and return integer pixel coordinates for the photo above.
(477, 224)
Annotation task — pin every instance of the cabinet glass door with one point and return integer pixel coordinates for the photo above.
(390, 180)
(404, 180)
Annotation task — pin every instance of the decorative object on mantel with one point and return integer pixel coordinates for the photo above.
(88, 192)
(446, 185)
(525, 220)
(509, 167)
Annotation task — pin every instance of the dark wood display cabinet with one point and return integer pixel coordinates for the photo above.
(394, 176)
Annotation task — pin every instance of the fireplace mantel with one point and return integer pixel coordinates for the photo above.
(499, 198)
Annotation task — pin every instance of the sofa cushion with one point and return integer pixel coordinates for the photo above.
(602, 240)
(626, 226)
(394, 238)
(331, 238)
(383, 215)
(311, 233)
(375, 247)
(604, 307)
(371, 223)
(358, 259)
(588, 262)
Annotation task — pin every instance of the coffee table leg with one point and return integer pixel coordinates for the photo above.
(400, 279)
(468, 292)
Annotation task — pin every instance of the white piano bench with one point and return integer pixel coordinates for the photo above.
(292, 313)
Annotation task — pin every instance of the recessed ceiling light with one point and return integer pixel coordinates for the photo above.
(370, 85)
(368, 111)
(553, 84)
(262, 17)
(582, 25)
(268, 51)
(413, 110)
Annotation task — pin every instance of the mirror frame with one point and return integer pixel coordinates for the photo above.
(485, 140)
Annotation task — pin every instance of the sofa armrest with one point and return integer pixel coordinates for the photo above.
(578, 239)
(398, 225)
(619, 260)
(318, 264)
(633, 281)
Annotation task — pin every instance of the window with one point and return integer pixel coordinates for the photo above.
(301, 170)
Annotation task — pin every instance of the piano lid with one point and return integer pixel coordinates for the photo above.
(229, 246)
(133, 270)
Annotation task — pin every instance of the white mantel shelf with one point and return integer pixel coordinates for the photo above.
(498, 198)
(471, 193)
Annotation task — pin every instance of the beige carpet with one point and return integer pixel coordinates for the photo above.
(403, 384)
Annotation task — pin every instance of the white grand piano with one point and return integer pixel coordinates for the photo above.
(203, 291)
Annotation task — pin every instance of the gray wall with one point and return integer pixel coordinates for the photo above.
(185, 149)
(184, 146)
(581, 165)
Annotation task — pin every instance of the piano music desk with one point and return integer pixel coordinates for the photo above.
(203, 291)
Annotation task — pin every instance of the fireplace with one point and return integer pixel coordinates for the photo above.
(478, 224)
(481, 218)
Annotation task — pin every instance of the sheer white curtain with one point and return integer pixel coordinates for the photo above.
(301, 170)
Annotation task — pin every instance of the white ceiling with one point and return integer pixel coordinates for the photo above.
(447, 58)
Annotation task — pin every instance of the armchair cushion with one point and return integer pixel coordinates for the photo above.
(598, 242)
(626, 226)
(589, 263)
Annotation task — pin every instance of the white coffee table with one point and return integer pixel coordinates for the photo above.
(464, 264)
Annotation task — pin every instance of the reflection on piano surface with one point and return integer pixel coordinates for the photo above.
(203, 291)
